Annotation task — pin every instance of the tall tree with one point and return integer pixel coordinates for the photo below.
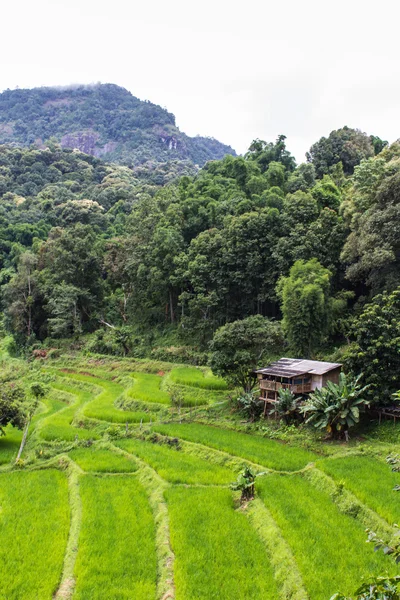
(346, 145)
(306, 306)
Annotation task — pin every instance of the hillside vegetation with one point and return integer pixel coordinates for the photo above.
(102, 120)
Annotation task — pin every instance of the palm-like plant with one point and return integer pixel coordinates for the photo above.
(286, 406)
(336, 407)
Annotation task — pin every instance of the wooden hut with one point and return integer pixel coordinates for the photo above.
(298, 375)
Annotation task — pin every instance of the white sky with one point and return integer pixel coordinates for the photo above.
(231, 70)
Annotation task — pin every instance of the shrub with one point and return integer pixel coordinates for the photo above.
(336, 407)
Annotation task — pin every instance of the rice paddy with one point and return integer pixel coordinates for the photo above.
(329, 547)
(117, 553)
(218, 555)
(360, 475)
(175, 466)
(139, 516)
(100, 460)
(34, 522)
(199, 378)
(268, 453)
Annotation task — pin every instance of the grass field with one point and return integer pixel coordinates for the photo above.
(102, 461)
(218, 555)
(9, 444)
(147, 388)
(329, 547)
(108, 523)
(198, 378)
(269, 453)
(58, 425)
(101, 406)
(117, 555)
(360, 474)
(176, 466)
(34, 523)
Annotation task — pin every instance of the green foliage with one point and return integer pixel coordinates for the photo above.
(336, 407)
(346, 145)
(238, 347)
(377, 588)
(13, 407)
(375, 350)
(198, 378)
(101, 119)
(204, 524)
(329, 547)
(263, 451)
(102, 460)
(174, 465)
(286, 406)
(249, 404)
(245, 483)
(115, 515)
(35, 524)
(306, 306)
(147, 388)
(371, 252)
(369, 480)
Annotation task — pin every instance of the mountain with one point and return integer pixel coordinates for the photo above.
(103, 120)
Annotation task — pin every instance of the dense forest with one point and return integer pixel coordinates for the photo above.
(89, 247)
(103, 120)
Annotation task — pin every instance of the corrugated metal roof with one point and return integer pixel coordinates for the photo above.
(290, 367)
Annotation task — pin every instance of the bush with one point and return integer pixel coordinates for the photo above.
(250, 405)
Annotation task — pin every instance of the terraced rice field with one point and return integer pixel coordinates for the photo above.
(117, 553)
(34, 521)
(119, 510)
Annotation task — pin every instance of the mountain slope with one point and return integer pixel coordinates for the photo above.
(103, 120)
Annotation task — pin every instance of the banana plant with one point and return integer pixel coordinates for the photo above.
(336, 407)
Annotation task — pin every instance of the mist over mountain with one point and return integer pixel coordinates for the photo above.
(103, 120)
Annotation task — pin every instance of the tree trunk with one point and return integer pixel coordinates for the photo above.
(171, 308)
(23, 441)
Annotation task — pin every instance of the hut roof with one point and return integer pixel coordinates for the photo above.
(290, 367)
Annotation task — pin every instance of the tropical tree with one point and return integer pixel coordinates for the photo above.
(238, 347)
(374, 351)
(306, 306)
(336, 407)
(12, 406)
(286, 406)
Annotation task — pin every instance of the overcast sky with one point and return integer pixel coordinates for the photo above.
(231, 70)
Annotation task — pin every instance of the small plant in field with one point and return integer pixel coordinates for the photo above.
(245, 484)
(336, 407)
(286, 406)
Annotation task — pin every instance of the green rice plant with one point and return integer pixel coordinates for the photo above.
(34, 521)
(102, 407)
(146, 388)
(117, 554)
(192, 397)
(176, 466)
(263, 451)
(199, 378)
(370, 480)
(9, 444)
(101, 460)
(58, 426)
(217, 552)
(329, 546)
